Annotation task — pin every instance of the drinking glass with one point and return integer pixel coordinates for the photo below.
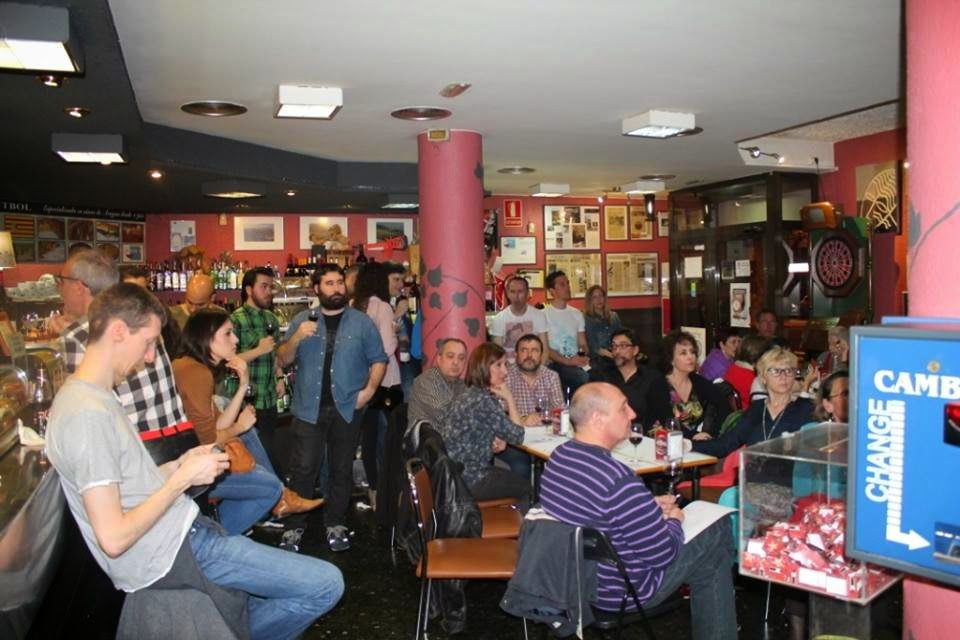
(674, 467)
(270, 327)
(636, 437)
(544, 412)
(314, 314)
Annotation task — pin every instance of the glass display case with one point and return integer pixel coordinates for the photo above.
(793, 516)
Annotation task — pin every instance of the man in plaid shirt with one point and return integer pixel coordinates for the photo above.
(255, 326)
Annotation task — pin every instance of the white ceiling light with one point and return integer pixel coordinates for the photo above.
(233, 189)
(643, 186)
(302, 101)
(89, 147)
(549, 190)
(36, 38)
(658, 124)
(401, 201)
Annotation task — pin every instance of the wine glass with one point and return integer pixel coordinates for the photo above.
(270, 327)
(674, 467)
(314, 314)
(636, 437)
(544, 412)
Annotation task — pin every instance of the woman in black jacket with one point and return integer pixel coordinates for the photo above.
(698, 406)
(770, 417)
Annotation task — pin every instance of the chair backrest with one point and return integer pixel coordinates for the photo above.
(597, 547)
(421, 495)
(730, 394)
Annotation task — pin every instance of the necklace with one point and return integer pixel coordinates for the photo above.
(773, 428)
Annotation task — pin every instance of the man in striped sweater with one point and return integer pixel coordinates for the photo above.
(584, 485)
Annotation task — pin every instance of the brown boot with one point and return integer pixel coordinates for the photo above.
(291, 502)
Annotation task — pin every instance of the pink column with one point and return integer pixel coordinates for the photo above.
(451, 239)
(931, 610)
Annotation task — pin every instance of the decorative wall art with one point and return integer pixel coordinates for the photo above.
(571, 227)
(257, 233)
(379, 229)
(878, 196)
(632, 274)
(640, 227)
(330, 232)
(740, 304)
(518, 249)
(583, 270)
(183, 233)
(663, 224)
(615, 222)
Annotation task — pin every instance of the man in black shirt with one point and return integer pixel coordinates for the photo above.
(646, 389)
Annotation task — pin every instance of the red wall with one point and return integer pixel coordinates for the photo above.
(533, 212)
(889, 250)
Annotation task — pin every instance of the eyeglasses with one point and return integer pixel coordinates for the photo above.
(622, 345)
(776, 371)
(845, 393)
(61, 279)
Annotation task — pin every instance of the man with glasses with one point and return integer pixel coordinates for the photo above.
(199, 296)
(646, 390)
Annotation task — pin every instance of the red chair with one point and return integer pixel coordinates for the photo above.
(717, 482)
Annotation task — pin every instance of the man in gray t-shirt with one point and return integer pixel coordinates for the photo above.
(133, 514)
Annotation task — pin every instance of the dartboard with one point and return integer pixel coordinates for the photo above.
(836, 264)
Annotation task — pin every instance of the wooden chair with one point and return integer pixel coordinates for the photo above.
(451, 558)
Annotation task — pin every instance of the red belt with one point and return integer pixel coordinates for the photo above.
(166, 432)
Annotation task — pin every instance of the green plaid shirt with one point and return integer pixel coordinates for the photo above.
(250, 325)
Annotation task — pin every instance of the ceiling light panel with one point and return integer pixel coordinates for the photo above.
(549, 190)
(88, 147)
(35, 38)
(658, 124)
(643, 186)
(303, 101)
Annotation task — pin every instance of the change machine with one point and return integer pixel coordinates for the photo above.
(904, 454)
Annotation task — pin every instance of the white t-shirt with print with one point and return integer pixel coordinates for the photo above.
(511, 327)
(563, 325)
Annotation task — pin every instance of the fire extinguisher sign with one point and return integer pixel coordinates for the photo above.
(512, 214)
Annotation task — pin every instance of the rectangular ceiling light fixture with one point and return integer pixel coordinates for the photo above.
(303, 101)
(643, 186)
(89, 147)
(549, 190)
(401, 201)
(658, 124)
(34, 38)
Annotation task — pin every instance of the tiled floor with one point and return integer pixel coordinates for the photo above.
(381, 598)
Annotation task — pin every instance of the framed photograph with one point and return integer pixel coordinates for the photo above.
(22, 227)
(107, 231)
(571, 227)
(110, 249)
(640, 227)
(25, 252)
(49, 228)
(633, 274)
(583, 270)
(132, 254)
(615, 222)
(663, 224)
(257, 233)
(379, 229)
(131, 232)
(183, 233)
(330, 232)
(534, 277)
(80, 230)
(518, 250)
(51, 251)
(740, 304)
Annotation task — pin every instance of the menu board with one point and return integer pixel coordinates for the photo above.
(583, 270)
(52, 238)
(571, 227)
(632, 274)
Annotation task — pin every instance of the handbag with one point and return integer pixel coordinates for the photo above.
(241, 460)
(387, 398)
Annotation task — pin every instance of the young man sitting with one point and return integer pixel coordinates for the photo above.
(134, 515)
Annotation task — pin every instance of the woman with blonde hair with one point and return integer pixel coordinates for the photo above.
(600, 322)
(768, 417)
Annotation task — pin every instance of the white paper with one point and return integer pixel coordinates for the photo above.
(742, 269)
(693, 267)
(699, 515)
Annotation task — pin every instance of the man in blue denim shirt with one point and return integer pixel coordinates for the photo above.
(340, 362)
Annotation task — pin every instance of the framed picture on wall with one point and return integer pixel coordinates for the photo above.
(110, 249)
(571, 227)
(256, 233)
(640, 227)
(534, 277)
(107, 231)
(615, 222)
(329, 231)
(380, 229)
(663, 224)
(633, 274)
(518, 249)
(132, 254)
(131, 232)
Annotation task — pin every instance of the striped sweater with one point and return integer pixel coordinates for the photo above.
(584, 486)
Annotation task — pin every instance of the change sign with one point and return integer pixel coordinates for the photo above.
(903, 496)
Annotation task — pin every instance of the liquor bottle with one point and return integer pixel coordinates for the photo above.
(291, 271)
(183, 277)
(167, 277)
(40, 401)
(232, 279)
(413, 296)
(158, 277)
(361, 257)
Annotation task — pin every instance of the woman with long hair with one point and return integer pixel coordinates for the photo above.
(600, 322)
(698, 407)
(371, 295)
(475, 426)
(780, 412)
(208, 348)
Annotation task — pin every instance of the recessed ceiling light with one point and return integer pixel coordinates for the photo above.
(657, 124)
(233, 189)
(454, 89)
(658, 176)
(51, 80)
(291, 192)
(419, 114)
(213, 108)
(77, 112)
(516, 171)
(304, 101)
(156, 174)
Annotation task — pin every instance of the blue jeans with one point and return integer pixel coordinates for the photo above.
(247, 497)
(518, 461)
(288, 591)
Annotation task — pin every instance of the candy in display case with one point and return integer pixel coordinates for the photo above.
(793, 516)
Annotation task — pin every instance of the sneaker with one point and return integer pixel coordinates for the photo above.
(338, 538)
(291, 539)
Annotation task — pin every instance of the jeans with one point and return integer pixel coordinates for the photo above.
(518, 461)
(247, 497)
(338, 439)
(705, 564)
(571, 378)
(288, 591)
